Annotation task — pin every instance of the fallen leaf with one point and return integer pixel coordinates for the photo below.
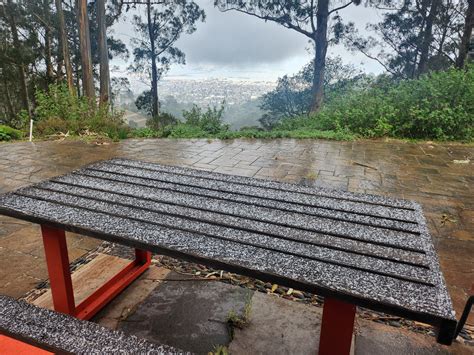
(289, 292)
(274, 287)
(445, 218)
(419, 324)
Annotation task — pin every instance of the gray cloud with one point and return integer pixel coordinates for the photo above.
(233, 38)
(232, 44)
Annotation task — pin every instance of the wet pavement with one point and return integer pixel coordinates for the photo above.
(439, 176)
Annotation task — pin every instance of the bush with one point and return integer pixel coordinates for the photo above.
(163, 120)
(145, 133)
(185, 131)
(437, 106)
(209, 121)
(58, 111)
(8, 133)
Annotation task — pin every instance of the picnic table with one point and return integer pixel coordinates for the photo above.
(353, 249)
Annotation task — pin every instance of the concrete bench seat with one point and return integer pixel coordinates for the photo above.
(60, 333)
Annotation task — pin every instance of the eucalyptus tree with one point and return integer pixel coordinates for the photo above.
(318, 20)
(155, 48)
(105, 95)
(64, 57)
(466, 34)
(292, 96)
(414, 36)
(85, 50)
(15, 51)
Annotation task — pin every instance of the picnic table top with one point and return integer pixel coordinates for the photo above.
(369, 250)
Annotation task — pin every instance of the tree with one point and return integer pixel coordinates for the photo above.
(466, 35)
(419, 36)
(64, 46)
(427, 35)
(292, 96)
(10, 11)
(85, 50)
(307, 17)
(103, 53)
(154, 50)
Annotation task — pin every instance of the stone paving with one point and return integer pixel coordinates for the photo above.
(438, 176)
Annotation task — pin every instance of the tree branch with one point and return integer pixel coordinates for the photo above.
(377, 60)
(340, 7)
(274, 19)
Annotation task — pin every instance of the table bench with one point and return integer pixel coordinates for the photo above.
(26, 329)
(353, 249)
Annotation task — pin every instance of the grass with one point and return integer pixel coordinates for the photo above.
(190, 132)
(220, 350)
(239, 321)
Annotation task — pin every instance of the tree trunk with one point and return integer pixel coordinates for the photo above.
(64, 47)
(47, 44)
(466, 35)
(103, 54)
(20, 65)
(427, 38)
(155, 107)
(85, 48)
(11, 111)
(321, 45)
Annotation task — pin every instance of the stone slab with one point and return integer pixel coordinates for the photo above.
(190, 315)
(278, 326)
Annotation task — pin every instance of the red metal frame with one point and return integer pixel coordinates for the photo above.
(57, 259)
(337, 327)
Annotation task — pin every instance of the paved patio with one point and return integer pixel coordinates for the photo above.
(437, 176)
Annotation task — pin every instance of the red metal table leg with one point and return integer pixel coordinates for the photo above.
(55, 249)
(60, 278)
(336, 328)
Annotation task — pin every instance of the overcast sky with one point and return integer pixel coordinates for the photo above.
(235, 45)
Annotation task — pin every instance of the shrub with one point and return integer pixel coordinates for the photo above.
(438, 106)
(185, 131)
(209, 121)
(145, 133)
(8, 133)
(163, 120)
(58, 111)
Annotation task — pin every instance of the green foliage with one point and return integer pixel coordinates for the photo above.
(185, 131)
(239, 321)
(145, 133)
(293, 95)
(436, 106)
(397, 41)
(8, 133)
(209, 121)
(219, 350)
(162, 120)
(59, 111)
